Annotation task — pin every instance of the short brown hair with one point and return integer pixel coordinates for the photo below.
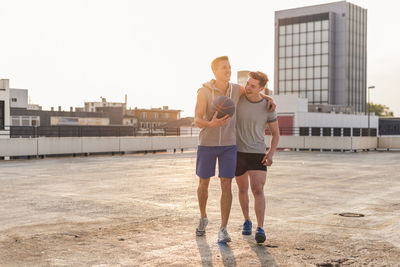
(215, 62)
(261, 77)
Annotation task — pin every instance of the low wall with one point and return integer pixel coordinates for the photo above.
(389, 142)
(326, 142)
(14, 147)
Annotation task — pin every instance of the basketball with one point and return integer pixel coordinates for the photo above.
(224, 105)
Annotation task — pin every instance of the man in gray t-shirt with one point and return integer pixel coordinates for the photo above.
(252, 118)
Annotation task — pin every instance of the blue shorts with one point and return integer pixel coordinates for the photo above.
(207, 159)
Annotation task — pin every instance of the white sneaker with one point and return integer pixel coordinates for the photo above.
(223, 236)
(201, 228)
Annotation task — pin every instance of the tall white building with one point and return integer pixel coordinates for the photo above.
(321, 54)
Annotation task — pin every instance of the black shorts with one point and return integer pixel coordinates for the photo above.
(249, 162)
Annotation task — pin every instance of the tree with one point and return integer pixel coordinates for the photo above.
(380, 110)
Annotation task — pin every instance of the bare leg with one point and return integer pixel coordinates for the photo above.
(202, 195)
(226, 200)
(243, 186)
(257, 181)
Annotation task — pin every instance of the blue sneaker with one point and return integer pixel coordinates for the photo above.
(247, 228)
(260, 235)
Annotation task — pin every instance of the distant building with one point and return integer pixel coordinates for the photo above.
(154, 117)
(389, 126)
(321, 54)
(242, 77)
(26, 117)
(115, 114)
(91, 106)
(4, 108)
(130, 120)
(15, 111)
(18, 98)
(24, 114)
(19, 101)
(34, 107)
(295, 118)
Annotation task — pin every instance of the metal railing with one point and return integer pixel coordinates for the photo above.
(92, 131)
(111, 130)
(324, 131)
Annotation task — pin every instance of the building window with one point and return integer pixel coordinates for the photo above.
(25, 121)
(282, 30)
(304, 59)
(282, 75)
(296, 39)
(324, 96)
(325, 36)
(289, 29)
(303, 27)
(304, 131)
(156, 115)
(337, 131)
(166, 115)
(346, 132)
(356, 131)
(2, 115)
(296, 28)
(13, 100)
(325, 24)
(144, 115)
(364, 132)
(318, 25)
(315, 131)
(325, 49)
(288, 62)
(282, 40)
(15, 121)
(326, 132)
(296, 62)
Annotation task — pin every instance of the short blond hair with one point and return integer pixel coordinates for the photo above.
(215, 62)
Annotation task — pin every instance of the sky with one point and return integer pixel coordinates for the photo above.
(158, 52)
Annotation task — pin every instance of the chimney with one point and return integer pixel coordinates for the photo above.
(165, 107)
(52, 108)
(59, 108)
(126, 99)
(71, 109)
(4, 84)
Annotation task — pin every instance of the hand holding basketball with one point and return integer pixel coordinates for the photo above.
(224, 106)
(215, 122)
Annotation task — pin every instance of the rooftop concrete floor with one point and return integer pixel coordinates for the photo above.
(141, 210)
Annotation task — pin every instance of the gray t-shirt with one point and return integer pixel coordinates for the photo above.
(224, 135)
(251, 120)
